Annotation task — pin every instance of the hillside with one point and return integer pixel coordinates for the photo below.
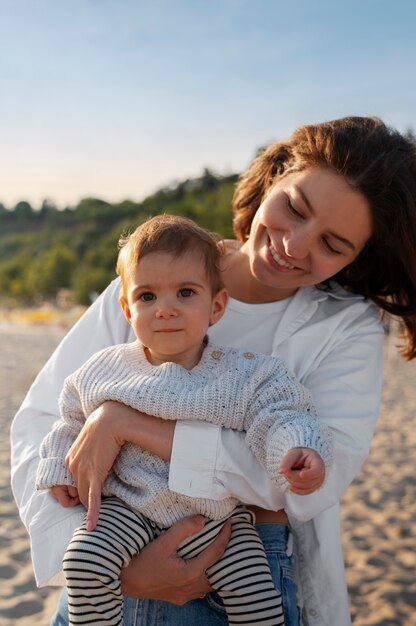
(45, 250)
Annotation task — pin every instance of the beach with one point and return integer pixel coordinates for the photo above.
(24, 349)
(378, 510)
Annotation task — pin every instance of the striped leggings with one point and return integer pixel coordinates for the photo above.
(93, 562)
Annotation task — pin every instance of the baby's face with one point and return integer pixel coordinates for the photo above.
(170, 306)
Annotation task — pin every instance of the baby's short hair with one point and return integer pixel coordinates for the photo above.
(175, 235)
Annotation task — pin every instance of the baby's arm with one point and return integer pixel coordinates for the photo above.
(303, 469)
(285, 435)
(66, 495)
(52, 468)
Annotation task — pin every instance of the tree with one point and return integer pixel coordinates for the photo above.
(410, 135)
(51, 271)
(89, 282)
(23, 211)
(47, 209)
(77, 247)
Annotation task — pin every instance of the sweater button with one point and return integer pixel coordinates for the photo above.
(248, 355)
(216, 354)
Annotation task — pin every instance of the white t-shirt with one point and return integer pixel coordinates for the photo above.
(240, 329)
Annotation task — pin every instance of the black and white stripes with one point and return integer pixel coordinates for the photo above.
(93, 562)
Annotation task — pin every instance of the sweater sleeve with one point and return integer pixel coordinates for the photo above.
(281, 417)
(52, 469)
(346, 389)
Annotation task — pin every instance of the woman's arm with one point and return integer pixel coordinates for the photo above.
(48, 523)
(345, 386)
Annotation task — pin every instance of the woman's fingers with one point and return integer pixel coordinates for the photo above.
(94, 503)
(184, 528)
(213, 552)
(158, 572)
(91, 456)
(189, 526)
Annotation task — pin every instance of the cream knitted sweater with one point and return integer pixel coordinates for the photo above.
(243, 391)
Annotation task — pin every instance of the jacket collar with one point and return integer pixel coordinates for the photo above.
(303, 306)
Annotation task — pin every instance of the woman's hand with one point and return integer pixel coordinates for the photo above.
(91, 457)
(158, 572)
(93, 453)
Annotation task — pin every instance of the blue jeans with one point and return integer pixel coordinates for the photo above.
(209, 611)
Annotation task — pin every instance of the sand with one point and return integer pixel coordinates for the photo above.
(379, 520)
(23, 349)
(379, 509)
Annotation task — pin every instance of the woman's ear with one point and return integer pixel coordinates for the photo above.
(219, 303)
(125, 306)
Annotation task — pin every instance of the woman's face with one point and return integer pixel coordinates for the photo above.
(309, 227)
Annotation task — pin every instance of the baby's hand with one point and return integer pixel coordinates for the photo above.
(304, 470)
(66, 495)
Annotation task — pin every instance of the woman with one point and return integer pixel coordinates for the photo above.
(336, 201)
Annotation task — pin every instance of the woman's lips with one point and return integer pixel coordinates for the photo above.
(278, 259)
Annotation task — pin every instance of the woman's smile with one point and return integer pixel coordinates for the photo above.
(279, 259)
(309, 227)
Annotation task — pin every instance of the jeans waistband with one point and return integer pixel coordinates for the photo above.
(274, 536)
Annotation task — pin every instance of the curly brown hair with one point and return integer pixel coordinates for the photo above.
(380, 163)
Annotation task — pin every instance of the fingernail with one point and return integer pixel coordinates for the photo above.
(89, 525)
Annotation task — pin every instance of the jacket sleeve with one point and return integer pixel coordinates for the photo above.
(50, 526)
(346, 389)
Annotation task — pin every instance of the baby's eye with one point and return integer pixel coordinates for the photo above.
(186, 292)
(147, 296)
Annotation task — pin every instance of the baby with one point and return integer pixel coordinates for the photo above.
(171, 293)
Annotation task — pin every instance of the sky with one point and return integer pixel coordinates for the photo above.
(117, 98)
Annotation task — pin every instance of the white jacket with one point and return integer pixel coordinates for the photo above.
(332, 341)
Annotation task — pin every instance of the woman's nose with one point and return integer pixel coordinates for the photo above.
(297, 244)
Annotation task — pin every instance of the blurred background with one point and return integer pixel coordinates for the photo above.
(112, 111)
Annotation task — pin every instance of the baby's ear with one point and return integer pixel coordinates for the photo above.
(219, 303)
(125, 306)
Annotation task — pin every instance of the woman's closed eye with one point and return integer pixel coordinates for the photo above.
(298, 215)
(293, 210)
(329, 247)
